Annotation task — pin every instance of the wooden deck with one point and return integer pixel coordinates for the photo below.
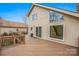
(39, 47)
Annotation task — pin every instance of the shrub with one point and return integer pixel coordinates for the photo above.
(5, 34)
(23, 32)
(13, 33)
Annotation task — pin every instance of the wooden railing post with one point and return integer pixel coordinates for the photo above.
(4, 40)
(78, 48)
(24, 39)
(0, 47)
(14, 40)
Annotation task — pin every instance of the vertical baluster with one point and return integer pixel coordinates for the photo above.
(24, 39)
(1, 41)
(4, 41)
(0, 46)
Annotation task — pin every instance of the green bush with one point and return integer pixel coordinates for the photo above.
(5, 34)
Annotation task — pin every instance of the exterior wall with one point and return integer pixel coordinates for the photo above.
(41, 21)
(7, 30)
(2, 30)
(23, 29)
(7, 26)
(70, 29)
(55, 39)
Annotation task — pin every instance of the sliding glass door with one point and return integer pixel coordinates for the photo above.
(36, 31)
(39, 31)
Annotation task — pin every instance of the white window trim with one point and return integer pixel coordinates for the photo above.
(54, 18)
(34, 16)
(57, 38)
(49, 15)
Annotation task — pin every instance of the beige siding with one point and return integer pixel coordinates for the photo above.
(8, 26)
(8, 30)
(41, 21)
(70, 30)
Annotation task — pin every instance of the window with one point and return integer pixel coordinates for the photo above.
(51, 16)
(56, 31)
(31, 28)
(34, 17)
(54, 16)
(58, 16)
(36, 31)
(40, 31)
(17, 29)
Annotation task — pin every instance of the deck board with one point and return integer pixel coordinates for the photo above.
(39, 47)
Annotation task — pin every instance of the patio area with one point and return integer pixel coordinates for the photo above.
(39, 47)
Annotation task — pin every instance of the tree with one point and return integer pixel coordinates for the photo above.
(25, 22)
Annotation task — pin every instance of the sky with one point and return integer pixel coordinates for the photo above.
(16, 12)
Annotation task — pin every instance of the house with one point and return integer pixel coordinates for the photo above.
(8, 26)
(54, 24)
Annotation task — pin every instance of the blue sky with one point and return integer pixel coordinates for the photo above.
(17, 11)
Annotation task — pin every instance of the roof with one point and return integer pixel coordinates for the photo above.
(4, 23)
(53, 9)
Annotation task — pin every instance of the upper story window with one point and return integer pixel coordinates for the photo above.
(51, 15)
(54, 16)
(34, 17)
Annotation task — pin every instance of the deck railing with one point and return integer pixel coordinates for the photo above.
(11, 40)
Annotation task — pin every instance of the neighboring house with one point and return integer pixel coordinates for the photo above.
(54, 24)
(7, 26)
